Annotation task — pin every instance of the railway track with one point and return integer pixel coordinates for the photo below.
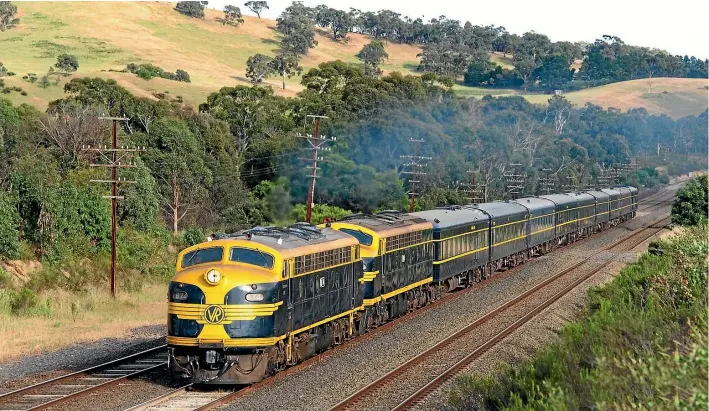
(183, 398)
(414, 380)
(71, 386)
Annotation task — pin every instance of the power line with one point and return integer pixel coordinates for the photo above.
(114, 158)
(514, 181)
(474, 190)
(415, 167)
(546, 183)
(317, 143)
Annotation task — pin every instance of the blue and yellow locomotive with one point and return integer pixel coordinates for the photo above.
(247, 305)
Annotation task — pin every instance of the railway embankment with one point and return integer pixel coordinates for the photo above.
(640, 340)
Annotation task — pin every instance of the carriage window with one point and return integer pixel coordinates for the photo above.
(201, 256)
(251, 256)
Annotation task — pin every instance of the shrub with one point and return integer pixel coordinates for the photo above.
(67, 63)
(9, 234)
(192, 236)
(148, 71)
(191, 8)
(22, 301)
(182, 75)
(5, 279)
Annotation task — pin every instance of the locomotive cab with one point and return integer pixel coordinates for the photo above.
(225, 310)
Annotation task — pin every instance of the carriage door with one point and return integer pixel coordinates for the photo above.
(287, 293)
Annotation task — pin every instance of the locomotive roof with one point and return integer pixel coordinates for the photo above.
(599, 195)
(295, 237)
(387, 222)
(536, 205)
(583, 198)
(611, 192)
(444, 217)
(500, 208)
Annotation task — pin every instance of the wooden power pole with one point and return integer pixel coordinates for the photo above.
(415, 167)
(114, 158)
(317, 144)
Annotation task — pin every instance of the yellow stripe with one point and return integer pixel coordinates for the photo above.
(233, 312)
(231, 342)
(324, 268)
(543, 230)
(459, 256)
(327, 320)
(408, 246)
(369, 276)
(459, 235)
(506, 224)
(509, 241)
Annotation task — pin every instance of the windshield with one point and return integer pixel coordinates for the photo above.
(201, 256)
(364, 239)
(251, 256)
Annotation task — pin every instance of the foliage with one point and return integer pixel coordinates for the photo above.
(642, 344)
(285, 65)
(297, 28)
(9, 234)
(690, 206)
(373, 54)
(319, 213)
(148, 71)
(191, 8)
(67, 63)
(192, 236)
(7, 15)
(258, 67)
(22, 301)
(232, 16)
(256, 6)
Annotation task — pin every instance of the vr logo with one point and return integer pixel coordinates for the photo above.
(214, 314)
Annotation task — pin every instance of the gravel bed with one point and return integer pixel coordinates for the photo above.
(36, 368)
(124, 395)
(342, 374)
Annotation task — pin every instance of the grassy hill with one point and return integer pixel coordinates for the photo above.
(107, 36)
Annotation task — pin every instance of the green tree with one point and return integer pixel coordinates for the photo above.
(141, 204)
(286, 65)
(256, 6)
(258, 68)
(232, 16)
(177, 162)
(373, 54)
(478, 73)
(297, 28)
(9, 234)
(191, 8)
(7, 15)
(525, 69)
(690, 206)
(554, 73)
(67, 63)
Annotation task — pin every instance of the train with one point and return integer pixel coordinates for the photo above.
(245, 306)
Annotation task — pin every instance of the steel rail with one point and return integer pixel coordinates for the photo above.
(385, 379)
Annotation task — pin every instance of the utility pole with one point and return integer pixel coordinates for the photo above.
(317, 143)
(570, 186)
(515, 181)
(415, 167)
(475, 192)
(546, 183)
(114, 158)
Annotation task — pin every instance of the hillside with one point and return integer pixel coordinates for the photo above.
(107, 36)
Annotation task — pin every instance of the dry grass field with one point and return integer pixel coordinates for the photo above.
(106, 36)
(94, 315)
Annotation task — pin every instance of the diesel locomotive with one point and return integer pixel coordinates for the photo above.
(247, 305)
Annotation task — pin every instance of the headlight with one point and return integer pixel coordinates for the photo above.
(254, 297)
(179, 296)
(213, 276)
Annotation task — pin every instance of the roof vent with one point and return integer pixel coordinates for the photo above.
(435, 220)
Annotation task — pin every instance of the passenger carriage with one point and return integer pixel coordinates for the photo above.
(540, 229)
(508, 232)
(565, 215)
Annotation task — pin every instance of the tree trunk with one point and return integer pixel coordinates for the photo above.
(175, 203)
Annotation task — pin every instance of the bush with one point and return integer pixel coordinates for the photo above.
(148, 71)
(5, 279)
(182, 75)
(192, 236)
(22, 301)
(191, 8)
(9, 234)
(319, 213)
(690, 206)
(67, 63)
